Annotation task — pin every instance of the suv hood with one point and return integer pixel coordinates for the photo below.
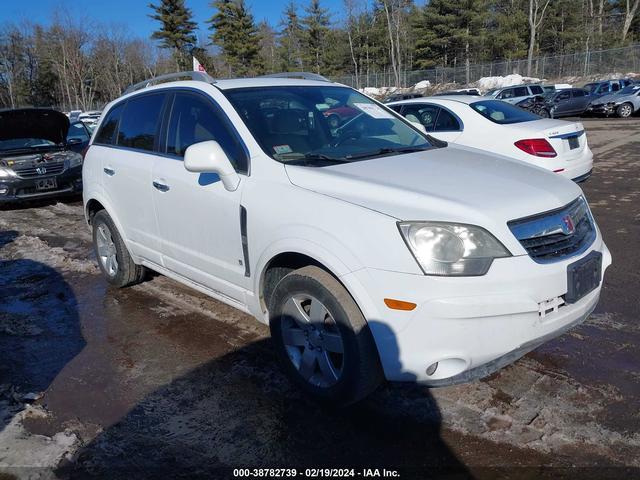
(34, 123)
(456, 183)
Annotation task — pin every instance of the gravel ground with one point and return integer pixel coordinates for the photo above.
(158, 380)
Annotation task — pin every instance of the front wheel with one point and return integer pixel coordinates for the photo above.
(114, 259)
(322, 338)
(625, 110)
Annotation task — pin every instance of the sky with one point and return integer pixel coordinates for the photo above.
(134, 13)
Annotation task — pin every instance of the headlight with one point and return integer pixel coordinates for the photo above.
(75, 160)
(7, 173)
(450, 249)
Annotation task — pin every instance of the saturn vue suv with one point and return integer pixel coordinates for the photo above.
(372, 250)
(37, 160)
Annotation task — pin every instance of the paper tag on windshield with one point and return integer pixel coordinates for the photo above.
(373, 110)
(282, 149)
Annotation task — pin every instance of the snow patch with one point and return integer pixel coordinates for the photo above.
(422, 85)
(489, 83)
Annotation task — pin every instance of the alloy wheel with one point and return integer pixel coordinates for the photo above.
(312, 340)
(107, 253)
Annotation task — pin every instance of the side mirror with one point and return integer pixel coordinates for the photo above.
(419, 126)
(208, 157)
(74, 141)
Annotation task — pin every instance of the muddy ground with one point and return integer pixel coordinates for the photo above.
(158, 380)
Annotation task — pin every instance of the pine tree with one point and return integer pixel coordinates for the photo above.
(236, 34)
(450, 32)
(316, 28)
(177, 31)
(290, 38)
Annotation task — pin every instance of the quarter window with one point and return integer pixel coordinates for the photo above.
(194, 120)
(140, 121)
(106, 134)
(447, 122)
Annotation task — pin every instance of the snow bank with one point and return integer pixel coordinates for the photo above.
(488, 83)
(378, 91)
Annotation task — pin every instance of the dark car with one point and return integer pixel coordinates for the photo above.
(35, 158)
(396, 97)
(535, 105)
(570, 101)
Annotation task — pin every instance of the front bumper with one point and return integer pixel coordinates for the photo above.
(16, 189)
(601, 108)
(470, 326)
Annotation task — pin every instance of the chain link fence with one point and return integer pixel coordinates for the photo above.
(598, 62)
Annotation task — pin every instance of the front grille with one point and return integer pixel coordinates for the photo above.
(556, 235)
(49, 169)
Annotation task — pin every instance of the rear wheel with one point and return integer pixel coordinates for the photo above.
(114, 259)
(625, 110)
(322, 339)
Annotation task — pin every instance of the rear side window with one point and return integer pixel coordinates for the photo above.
(615, 87)
(502, 113)
(578, 93)
(520, 92)
(194, 119)
(420, 113)
(140, 122)
(447, 122)
(536, 89)
(106, 134)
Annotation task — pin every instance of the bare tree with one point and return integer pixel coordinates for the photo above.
(352, 30)
(629, 13)
(536, 15)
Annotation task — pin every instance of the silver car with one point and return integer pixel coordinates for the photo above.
(516, 93)
(623, 103)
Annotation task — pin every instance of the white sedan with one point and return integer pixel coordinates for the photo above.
(496, 126)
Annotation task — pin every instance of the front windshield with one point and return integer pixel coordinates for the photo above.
(20, 143)
(322, 125)
(491, 93)
(502, 113)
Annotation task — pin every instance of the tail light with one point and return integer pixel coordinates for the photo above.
(536, 146)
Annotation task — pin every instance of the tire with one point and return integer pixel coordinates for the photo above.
(108, 245)
(335, 360)
(625, 110)
(543, 112)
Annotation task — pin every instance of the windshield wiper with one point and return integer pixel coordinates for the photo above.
(386, 151)
(312, 158)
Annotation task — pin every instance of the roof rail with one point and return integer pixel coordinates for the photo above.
(299, 75)
(191, 75)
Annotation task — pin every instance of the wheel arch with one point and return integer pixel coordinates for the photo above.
(285, 257)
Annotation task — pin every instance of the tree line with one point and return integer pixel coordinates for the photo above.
(76, 63)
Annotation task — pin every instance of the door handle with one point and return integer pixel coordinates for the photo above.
(160, 186)
(109, 171)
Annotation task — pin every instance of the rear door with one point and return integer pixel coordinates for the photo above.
(127, 172)
(199, 220)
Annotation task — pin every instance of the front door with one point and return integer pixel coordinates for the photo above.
(198, 219)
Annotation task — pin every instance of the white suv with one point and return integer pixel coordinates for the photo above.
(372, 250)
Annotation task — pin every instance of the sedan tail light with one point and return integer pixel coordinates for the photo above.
(536, 146)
